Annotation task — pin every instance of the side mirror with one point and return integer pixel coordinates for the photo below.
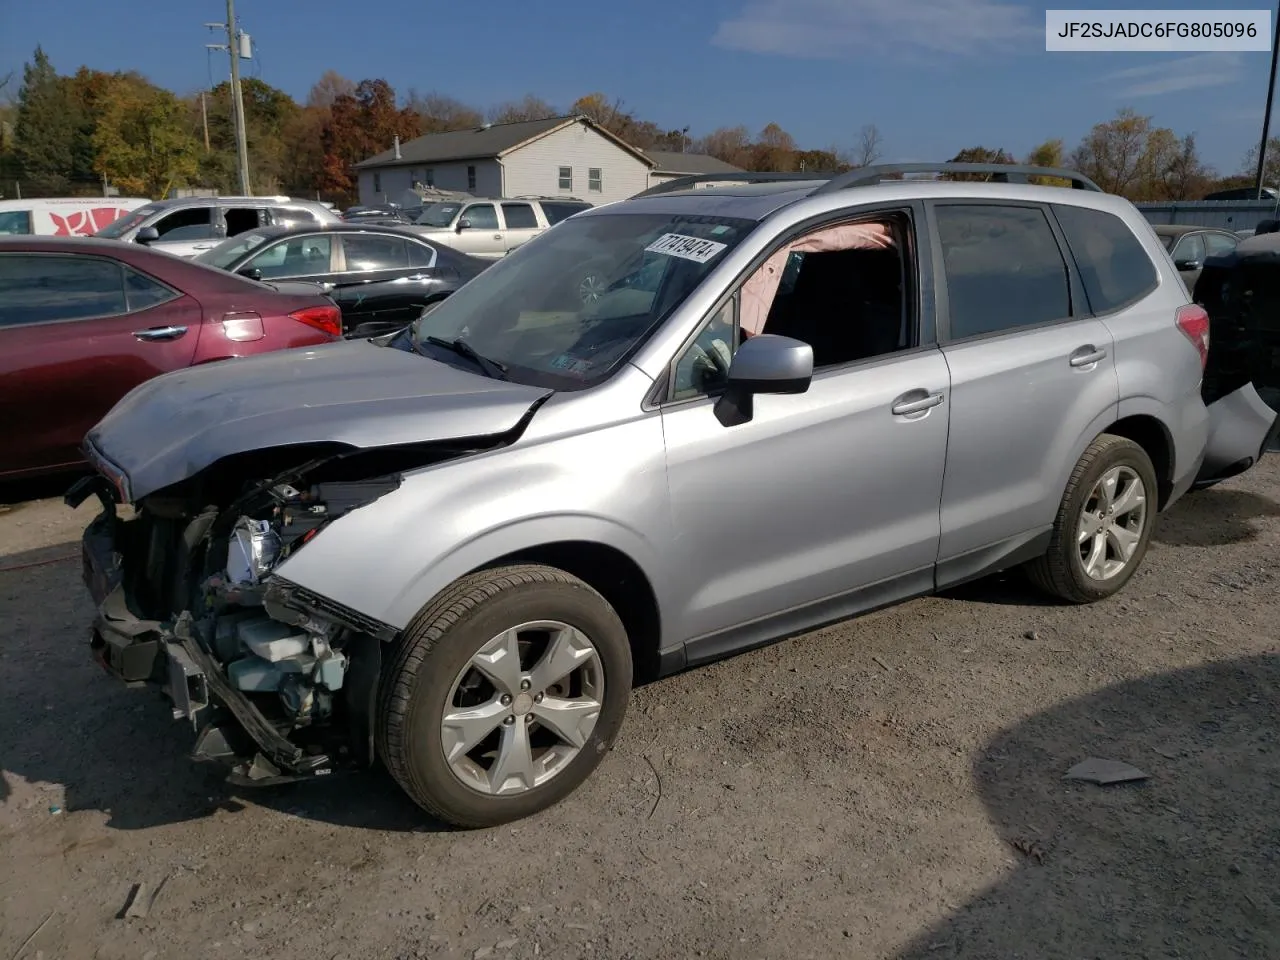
(253, 273)
(1188, 264)
(463, 224)
(766, 363)
(147, 235)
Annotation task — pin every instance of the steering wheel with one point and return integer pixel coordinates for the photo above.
(711, 365)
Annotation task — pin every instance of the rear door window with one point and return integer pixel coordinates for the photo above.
(519, 216)
(240, 219)
(1219, 244)
(421, 254)
(371, 251)
(1004, 269)
(307, 256)
(43, 289)
(1112, 262)
(555, 211)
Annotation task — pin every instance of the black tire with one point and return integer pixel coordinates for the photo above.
(1061, 572)
(419, 675)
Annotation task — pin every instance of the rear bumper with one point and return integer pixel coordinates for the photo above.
(1241, 428)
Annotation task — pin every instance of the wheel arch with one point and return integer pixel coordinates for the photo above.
(1155, 438)
(616, 577)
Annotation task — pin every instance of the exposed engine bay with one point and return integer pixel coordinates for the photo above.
(280, 684)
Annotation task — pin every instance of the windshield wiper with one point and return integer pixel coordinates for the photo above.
(491, 368)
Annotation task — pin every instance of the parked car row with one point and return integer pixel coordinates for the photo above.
(84, 321)
(380, 277)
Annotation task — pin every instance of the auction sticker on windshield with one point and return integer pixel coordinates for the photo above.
(687, 248)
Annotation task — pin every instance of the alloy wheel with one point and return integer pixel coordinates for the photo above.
(1111, 523)
(522, 707)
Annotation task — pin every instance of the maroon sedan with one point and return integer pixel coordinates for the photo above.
(83, 322)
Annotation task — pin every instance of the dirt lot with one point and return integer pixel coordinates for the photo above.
(890, 787)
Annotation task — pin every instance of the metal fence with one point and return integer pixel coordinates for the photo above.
(1231, 215)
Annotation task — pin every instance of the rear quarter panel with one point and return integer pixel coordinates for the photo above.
(1157, 366)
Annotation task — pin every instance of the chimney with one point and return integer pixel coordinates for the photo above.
(397, 146)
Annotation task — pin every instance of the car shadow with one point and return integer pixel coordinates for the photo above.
(65, 722)
(1214, 517)
(1183, 864)
(15, 493)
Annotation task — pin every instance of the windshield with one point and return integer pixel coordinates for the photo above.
(438, 214)
(232, 249)
(118, 228)
(567, 307)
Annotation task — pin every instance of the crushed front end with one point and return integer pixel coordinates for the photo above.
(279, 684)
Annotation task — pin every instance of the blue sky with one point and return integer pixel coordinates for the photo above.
(933, 75)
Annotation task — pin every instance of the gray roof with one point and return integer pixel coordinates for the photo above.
(479, 143)
(688, 163)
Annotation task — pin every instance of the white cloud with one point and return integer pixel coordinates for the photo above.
(823, 29)
(1173, 76)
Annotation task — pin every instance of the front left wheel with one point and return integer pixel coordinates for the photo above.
(504, 695)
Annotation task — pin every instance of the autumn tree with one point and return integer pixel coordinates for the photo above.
(142, 141)
(867, 149)
(527, 108)
(329, 88)
(302, 149)
(1112, 153)
(730, 144)
(773, 151)
(361, 125)
(1270, 171)
(438, 113)
(1173, 168)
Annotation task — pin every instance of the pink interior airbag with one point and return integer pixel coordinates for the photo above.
(759, 290)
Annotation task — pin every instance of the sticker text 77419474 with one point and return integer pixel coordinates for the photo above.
(687, 248)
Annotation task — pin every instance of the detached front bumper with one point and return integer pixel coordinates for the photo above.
(172, 657)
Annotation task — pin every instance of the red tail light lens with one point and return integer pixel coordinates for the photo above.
(328, 319)
(1193, 321)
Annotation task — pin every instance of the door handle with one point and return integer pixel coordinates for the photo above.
(160, 333)
(1087, 356)
(904, 408)
(203, 246)
(497, 236)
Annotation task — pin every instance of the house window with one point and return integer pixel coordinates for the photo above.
(471, 178)
(429, 178)
(566, 178)
(595, 180)
(377, 183)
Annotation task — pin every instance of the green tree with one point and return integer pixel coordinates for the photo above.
(268, 113)
(46, 128)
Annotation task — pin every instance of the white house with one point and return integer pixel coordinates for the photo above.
(558, 157)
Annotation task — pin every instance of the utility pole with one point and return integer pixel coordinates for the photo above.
(204, 120)
(236, 47)
(1266, 116)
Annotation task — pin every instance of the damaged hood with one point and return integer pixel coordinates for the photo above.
(353, 393)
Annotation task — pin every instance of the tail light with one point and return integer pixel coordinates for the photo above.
(1193, 321)
(328, 319)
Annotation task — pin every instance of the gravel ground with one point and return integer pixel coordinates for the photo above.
(888, 787)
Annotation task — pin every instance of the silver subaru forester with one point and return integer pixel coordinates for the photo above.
(455, 548)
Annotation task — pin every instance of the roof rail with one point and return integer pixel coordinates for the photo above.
(683, 183)
(1000, 173)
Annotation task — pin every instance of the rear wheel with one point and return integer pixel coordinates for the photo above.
(504, 695)
(1103, 526)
